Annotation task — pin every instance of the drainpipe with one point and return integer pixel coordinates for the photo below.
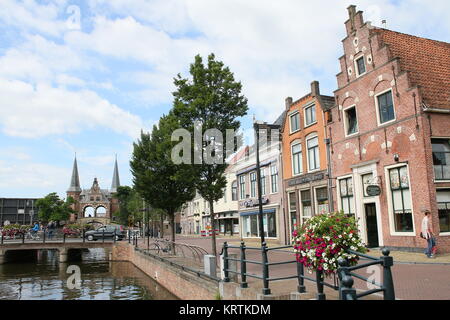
(330, 180)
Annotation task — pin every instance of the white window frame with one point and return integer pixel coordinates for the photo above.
(306, 107)
(338, 187)
(390, 204)
(310, 137)
(444, 234)
(355, 61)
(240, 187)
(274, 165)
(292, 114)
(316, 202)
(295, 143)
(300, 204)
(378, 108)
(253, 173)
(290, 211)
(346, 121)
(263, 185)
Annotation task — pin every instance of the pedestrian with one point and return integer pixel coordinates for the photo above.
(427, 234)
(50, 228)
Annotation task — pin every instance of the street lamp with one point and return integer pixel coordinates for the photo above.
(258, 126)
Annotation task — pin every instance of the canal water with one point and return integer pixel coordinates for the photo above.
(37, 275)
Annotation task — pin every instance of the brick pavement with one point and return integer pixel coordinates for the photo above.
(419, 280)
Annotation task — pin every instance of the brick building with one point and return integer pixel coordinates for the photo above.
(94, 205)
(305, 157)
(390, 133)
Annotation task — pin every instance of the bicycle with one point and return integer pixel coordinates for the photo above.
(32, 235)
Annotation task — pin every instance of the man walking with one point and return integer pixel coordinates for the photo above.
(427, 233)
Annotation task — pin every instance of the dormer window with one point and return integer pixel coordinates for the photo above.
(360, 66)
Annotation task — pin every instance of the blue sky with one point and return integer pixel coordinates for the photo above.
(89, 82)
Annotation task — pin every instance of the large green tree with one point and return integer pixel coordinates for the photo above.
(210, 102)
(162, 183)
(51, 207)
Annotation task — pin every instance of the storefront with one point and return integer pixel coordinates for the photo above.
(250, 223)
(228, 223)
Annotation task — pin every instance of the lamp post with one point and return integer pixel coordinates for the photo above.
(257, 126)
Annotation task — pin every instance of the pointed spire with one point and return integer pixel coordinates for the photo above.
(75, 181)
(115, 182)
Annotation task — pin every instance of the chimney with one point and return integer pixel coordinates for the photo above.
(315, 90)
(288, 102)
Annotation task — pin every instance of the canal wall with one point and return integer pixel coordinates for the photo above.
(184, 284)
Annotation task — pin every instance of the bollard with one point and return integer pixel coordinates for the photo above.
(225, 262)
(388, 282)
(210, 265)
(319, 282)
(301, 281)
(244, 283)
(346, 292)
(129, 236)
(265, 271)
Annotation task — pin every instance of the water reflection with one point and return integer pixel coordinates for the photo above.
(42, 277)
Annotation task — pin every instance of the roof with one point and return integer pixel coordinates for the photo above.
(328, 102)
(428, 63)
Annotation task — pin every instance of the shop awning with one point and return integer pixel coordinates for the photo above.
(251, 213)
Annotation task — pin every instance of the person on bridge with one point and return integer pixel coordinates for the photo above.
(50, 229)
(35, 229)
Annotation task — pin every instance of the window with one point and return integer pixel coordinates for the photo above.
(351, 121)
(274, 178)
(263, 181)
(242, 186)
(346, 194)
(253, 184)
(310, 115)
(234, 191)
(385, 107)
(297, 167)
(360, 66)
(313, 154)
(401, 199)
(293, 210)
(322, 200)
(295, 122)
(443, 202)
(306, 205)
(366, 181)
(225, 194)
(250, 225)
(441, 158)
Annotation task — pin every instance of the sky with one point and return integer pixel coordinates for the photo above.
(87, 76)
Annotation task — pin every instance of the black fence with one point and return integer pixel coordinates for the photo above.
(342, 283)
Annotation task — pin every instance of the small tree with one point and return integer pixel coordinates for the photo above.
(123, 195)
(212, 99)
(51, 207)
(163, 184)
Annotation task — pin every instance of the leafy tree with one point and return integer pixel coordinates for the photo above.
(51, 207)
(212, 99)
(162, 183)
(123, 195)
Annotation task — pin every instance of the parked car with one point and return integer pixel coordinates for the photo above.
(107, 231)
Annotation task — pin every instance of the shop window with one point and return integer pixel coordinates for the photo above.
(250, 225)
(346, 195)
(351, 121)
(443, 203)
(293, 210)
(306, 203)
(385, 107)
(401, 199)
(322, 200)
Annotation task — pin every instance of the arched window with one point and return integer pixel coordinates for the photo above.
(100, 212)
(89, 212)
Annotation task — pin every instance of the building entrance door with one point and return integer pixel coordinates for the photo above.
(371, 225)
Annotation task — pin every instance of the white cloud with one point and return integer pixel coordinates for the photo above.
(35, 111)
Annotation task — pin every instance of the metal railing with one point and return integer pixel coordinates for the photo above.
(346, 275)
(343, 283)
